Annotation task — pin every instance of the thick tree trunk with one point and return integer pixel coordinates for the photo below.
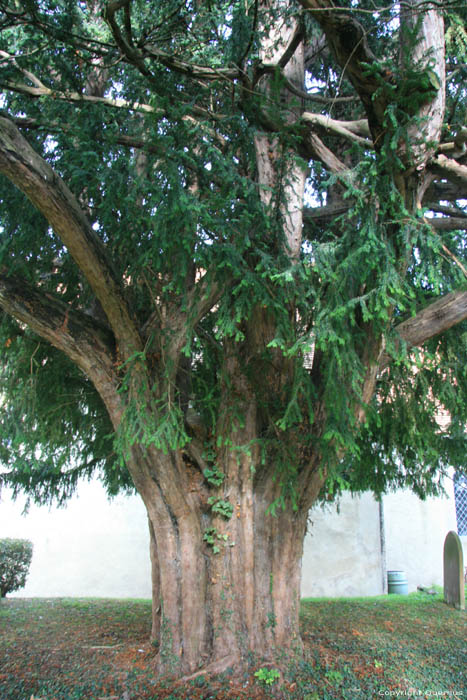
(247, 598)
(224, 589)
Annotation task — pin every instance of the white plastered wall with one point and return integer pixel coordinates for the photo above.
(342, 550)
(343, 554)
(92, 547)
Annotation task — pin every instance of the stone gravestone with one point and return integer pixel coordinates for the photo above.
(454, 571)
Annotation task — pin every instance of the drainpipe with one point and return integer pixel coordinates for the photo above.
(382, 543)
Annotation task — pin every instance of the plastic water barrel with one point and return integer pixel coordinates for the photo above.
(397, 582)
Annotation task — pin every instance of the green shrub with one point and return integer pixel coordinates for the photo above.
(15, 558)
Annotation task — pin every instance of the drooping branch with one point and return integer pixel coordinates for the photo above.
(89, 344)
(50, 195)
(314, 148)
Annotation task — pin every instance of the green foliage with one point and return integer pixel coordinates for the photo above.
(334, 677)
(172, 193)
(148, 420)
(214, 539)
(213, 476)
(15, 558)
(221, 507)
(267, 676)
(53, 429)
(456, 36)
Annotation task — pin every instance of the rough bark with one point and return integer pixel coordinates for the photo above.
(220, 602)
(278, 169)
(90, 345)
(436, 318)
(424, 53)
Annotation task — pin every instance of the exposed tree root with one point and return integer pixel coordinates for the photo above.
(214, 668)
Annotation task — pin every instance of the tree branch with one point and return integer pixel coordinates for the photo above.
(69, 96)
(197, 113)
(446, 209)
(136, 56)
(349, 130)
(50, 195)
(323, 216)
(451, 170)
(27, 74)
(347, 40)
(133, 55)
(448, 223)
(87, 343)
(436, 318)
(193, 70)
(439, 190)
(315, 148)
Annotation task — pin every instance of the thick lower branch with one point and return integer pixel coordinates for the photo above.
(50, 195)
(88, 344)
(436, 318)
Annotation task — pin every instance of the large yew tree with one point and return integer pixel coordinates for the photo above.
(232, 277)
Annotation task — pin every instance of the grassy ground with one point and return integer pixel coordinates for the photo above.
(75, 649)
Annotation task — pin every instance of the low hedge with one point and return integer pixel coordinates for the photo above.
(15, 558)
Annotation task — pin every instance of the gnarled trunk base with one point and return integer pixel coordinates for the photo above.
(229, 594)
